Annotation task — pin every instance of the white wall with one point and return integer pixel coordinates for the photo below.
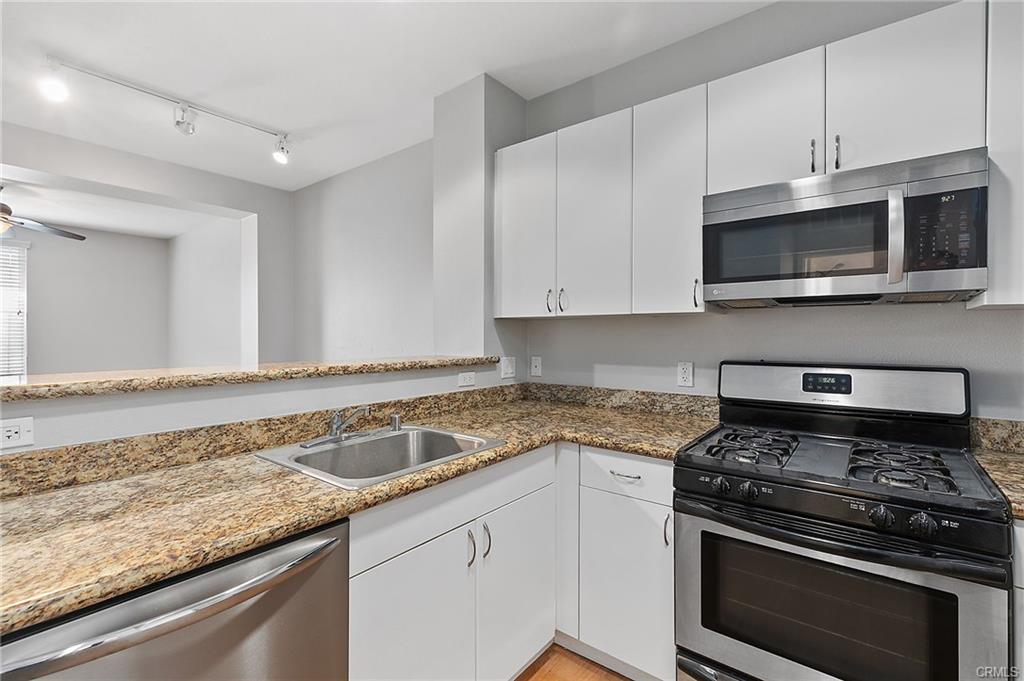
(97, 304)
(37, 150)
(641, 352)
(363, 264)
(205, 297)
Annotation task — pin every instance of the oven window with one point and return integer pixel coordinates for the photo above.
(846, 623)
(832, 242)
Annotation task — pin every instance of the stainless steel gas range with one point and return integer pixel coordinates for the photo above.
(835, 526)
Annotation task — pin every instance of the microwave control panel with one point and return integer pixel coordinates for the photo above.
(947, 230)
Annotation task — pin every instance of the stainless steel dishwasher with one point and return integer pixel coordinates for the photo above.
(277, 613)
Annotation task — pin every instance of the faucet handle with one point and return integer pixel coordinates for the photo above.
(396, 421)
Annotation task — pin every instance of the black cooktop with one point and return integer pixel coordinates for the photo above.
(936, 477)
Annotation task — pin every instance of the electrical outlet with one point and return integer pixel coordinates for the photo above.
(508, 367)
(684, 375)
(535, 369)
(16, 433)
(467, 378)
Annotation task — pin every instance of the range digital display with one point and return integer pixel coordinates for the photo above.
(841, 384)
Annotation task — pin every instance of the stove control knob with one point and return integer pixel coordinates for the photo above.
(881, 517)
(923, 525)
(720, 485)
(748, 491)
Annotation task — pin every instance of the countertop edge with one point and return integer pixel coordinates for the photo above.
(148, 381)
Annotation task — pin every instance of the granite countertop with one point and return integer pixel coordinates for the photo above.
(52, 386)
(1007, 470)
(74, 547)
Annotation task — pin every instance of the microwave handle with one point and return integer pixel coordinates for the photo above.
(958, 569)
(897, 229)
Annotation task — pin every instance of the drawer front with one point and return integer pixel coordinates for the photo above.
(633, 475)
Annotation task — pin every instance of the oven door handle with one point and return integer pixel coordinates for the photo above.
(958, 569)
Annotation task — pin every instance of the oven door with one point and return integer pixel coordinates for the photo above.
(844, 246)
(780, 611)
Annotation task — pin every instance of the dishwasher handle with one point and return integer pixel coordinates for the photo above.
(286, 564)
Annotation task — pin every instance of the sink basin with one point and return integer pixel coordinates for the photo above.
(365, 459)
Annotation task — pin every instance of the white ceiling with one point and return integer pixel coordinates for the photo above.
(70, 208)
(350, 81)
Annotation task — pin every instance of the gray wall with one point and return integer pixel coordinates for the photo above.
(363, 261)
(773, 32)
(642, 352)
(98, 304)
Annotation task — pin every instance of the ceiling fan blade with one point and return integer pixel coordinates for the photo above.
(47, 229)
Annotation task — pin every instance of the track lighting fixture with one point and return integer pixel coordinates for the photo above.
(185, 119)
(281, 150)
(54, 89)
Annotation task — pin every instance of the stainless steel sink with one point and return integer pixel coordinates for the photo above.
(363, 459)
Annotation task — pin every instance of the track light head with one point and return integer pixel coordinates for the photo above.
(281, 150)
(185, 119)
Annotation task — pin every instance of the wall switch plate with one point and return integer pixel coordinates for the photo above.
(508, 367)
(467, 378)
(684, 375)
(535, 369)
(16, 433)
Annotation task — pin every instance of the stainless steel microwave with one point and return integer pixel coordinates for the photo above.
(913, 231)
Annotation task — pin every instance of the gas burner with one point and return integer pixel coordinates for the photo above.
(748, 445)
(751, 437)
(904, 466)
(774, 457)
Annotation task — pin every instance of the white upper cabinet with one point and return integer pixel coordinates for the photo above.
(909, 89)
(669, 181)
(524, 228)
(515, 584)
(1006, 161)
(767, 124)
(594, 201)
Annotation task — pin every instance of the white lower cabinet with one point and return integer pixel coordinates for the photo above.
(515, 584)
(626, 580)
(413, 616)
(476, 602)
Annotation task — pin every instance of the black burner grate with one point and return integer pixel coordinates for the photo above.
(749, 445)
(904, 466)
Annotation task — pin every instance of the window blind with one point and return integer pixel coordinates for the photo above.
(13, 311)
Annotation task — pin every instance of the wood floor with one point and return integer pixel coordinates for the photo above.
(559, 664)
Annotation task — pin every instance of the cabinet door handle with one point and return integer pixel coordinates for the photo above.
(626, 476)
(561, 307)
(695, 282)
(812, 156)
(664, 528)
(487, 531)
(837, 152)
(472, 540)
(547, 301)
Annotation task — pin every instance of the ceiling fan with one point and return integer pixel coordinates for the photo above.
(7, 221)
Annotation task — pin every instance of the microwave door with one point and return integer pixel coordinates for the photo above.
(848, 245)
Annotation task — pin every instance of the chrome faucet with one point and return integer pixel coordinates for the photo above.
(336, 432)
(340, 423)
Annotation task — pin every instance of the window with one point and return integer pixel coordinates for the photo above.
(13, 311)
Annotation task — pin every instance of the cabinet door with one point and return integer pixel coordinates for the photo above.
(412, 617)
(913, 88)
(515, 584)
(524, 228)
(595, 215)
(669, 182)
(767, 124)
(626, 587)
